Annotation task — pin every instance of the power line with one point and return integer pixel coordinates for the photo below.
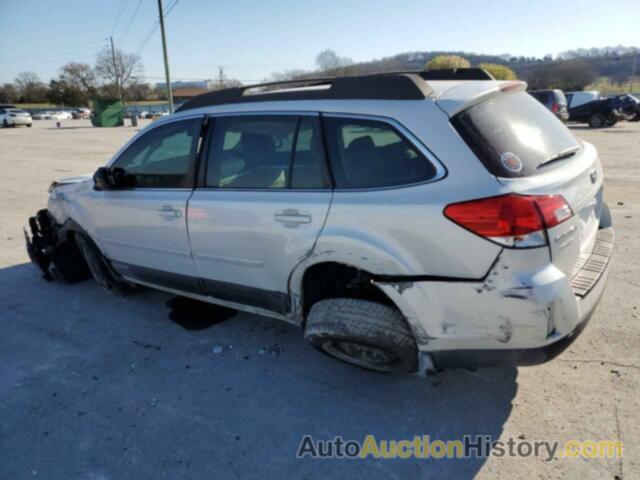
(121, 10)
(128, 26)
(154, 27)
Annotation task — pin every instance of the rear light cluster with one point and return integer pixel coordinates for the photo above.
(555, 107)
(511, 220)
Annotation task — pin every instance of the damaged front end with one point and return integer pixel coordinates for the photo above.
(53, 249)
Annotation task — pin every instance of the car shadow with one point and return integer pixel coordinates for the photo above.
(116, 388)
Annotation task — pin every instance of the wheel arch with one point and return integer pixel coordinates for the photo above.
(324, 278)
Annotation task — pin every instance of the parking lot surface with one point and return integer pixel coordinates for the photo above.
(95, 386)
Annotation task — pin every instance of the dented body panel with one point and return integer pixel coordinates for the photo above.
(524, 302)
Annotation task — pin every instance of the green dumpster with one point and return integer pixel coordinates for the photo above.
(107, 113)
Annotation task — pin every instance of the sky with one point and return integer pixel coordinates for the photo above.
(251, 39)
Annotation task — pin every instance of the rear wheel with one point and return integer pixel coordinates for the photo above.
(366, 334)
(597, 121)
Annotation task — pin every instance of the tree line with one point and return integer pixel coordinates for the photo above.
(77, 83)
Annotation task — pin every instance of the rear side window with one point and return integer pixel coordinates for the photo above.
(373, 154)
(513, 135)
(266, 152)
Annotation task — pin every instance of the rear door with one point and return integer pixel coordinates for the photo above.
(142, 229)
(260, 207)
(532, 152)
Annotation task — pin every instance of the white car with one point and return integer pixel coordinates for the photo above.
(406, 223)
(61, 115)
(12, 117)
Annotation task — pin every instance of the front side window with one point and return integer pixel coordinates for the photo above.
(265, 152)
(372, 154)
(163, 157)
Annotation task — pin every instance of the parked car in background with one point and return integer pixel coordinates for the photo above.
(81, 113)
(143, 114)
(628, 105)
(458, 224)
(554, 100)
(41, 116)
(12, 117)
(589, 107)
(160, 114)
(61, 115)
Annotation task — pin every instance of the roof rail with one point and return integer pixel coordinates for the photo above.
(408, 85)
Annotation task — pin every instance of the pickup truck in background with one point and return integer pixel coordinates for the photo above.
(591, 108)
(628, 105)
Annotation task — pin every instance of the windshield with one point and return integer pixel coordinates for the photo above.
(513, 135)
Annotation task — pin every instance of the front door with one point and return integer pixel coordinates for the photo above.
(142, 230)
(262, 206)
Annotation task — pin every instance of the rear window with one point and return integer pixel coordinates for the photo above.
(540, 96)
(514, 135)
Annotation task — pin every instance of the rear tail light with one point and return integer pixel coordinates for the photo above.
(555, 108)
(511, 220)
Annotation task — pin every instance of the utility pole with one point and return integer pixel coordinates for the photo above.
(117, 72)
(633, 74)
(166, 58)
(220, 77)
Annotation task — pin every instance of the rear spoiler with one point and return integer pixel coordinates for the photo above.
(463, 95)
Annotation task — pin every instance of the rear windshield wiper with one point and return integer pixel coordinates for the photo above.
(569, 152)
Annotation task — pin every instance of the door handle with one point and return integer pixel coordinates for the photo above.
(292, 215)
(169, 211)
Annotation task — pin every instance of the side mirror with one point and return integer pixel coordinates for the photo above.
(103, 179)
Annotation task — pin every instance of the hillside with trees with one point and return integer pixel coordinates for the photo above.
(608, 69)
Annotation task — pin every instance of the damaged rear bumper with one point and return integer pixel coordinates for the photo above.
(587, 302)
(525, 312)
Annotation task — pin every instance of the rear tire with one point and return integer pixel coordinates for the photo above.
(597, 121)
(366, 334)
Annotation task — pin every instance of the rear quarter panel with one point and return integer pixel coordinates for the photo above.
(402, 231)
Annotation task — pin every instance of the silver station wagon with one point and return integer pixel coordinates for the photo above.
(408, 222)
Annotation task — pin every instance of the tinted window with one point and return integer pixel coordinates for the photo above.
(163, 157)
(514, 130)
(264, 151)
(540, 96)
(369, 153)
